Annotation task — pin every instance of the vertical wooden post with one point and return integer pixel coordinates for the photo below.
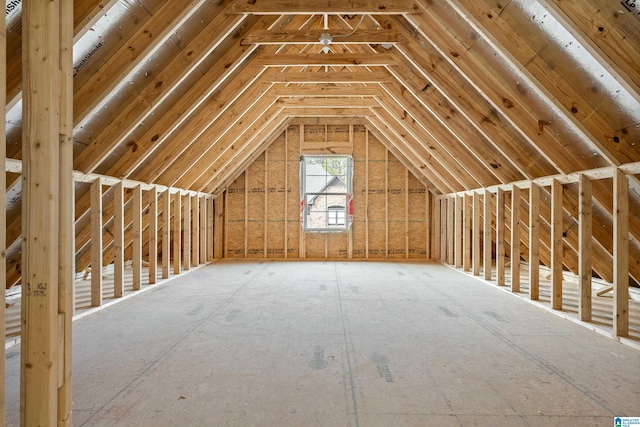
(428, 224)
(584, 247)
(437, 226)
(477, 230)
(153, 235)
(3, 212)
(118, 240)
(366, 194)
(534, 241)
(386, 204)
(96, 243)
(620, 254)
(203, 231)
(166, 232)
(487, 228)
(218, 228)
(466, 233)
(515, 238)
(66, 242)
(137, 237)
(451, 216)
(195, 231)
(406, 214)
(444, 205)
(177, 229)
(457, 225)
(500, 237)
(186, 234)
(210, 225)
(39, 374)
(556, 245)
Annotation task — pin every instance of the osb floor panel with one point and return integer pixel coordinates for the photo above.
(340, 344)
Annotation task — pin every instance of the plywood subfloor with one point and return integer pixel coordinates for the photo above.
(340, 344)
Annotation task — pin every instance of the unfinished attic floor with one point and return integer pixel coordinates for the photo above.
(340, 344)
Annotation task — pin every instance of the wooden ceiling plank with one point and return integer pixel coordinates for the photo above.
(481, 147)
(426, 144)
(414, 150)
(396, 104)
(467, 101)
(295, 91)
(325, 59)
(228, 158)
(330, 77)
(254, 103)
(140, 46)
(86, 13)
(151, 97)
(361, 36)
(601, 36)
(548, 68)
(332, 102)
(430, 181)
(314, 7)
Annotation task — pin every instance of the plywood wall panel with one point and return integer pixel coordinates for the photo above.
(256, 208)
(235, 219)
(417, 219)
(396, 194)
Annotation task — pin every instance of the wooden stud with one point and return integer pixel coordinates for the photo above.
(406, 214)
(428, 224)
(437, 227)
(534, 241)
(118, 240)
(66, 218)
(366, 194)
(39, 375)
(444, 205)
(451, 216)
(265, 241)
(556, 245)
(226, 224)
(3, 212)
(195, 231)
(585, 233)
(515, 239)
(203, 244)
(210, 228)
(177, 232)
(500, 237)
(246, 213)
(153, 235)
(487, 231)
(386, 204)
(137, 237)
(458, 222)
(96, 243)
(620, 255)
(186, 233)
(477, 236)
(166, 233)
(218, 228)
(286, 193)
(466, 232)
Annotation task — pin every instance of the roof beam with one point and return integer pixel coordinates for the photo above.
(313, 36)
(327, 112)
(331, 77)
(327, 91)
(332, 102)
(314, 7)
(325, 59)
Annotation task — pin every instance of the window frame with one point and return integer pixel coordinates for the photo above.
(306, 196)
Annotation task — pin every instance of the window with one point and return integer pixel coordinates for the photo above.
(326, 192)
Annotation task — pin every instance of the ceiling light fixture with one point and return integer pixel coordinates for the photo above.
(325, 39)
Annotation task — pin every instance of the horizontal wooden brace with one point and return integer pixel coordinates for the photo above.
(331, 77)
(314, 7)
(339, 92)
(331, 102)
(572, 178)
(325, 59)
(279, 37)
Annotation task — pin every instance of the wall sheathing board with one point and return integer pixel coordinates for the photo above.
(376, 199)
(293, 191)
(417, 219)
(387, 181)
(396, 194)
(256, 208)
(276, 165)
(234, 233)
(359, 226)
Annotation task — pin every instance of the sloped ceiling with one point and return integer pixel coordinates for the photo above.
(468, 93)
